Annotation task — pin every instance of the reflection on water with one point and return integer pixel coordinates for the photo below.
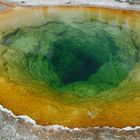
(71, 66)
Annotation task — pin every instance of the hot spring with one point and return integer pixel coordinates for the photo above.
(72, 66)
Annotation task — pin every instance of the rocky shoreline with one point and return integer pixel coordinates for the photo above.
(94, 3)
(22, 127)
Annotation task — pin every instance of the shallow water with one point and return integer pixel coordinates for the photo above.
(73, 66)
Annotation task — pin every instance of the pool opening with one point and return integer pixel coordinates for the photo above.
(72, 66)
(77, 57)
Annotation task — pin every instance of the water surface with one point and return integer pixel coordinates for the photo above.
(73, 66)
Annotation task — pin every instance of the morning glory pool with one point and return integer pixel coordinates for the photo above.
(71, 66)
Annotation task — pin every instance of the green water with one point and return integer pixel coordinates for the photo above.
(81, 57)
